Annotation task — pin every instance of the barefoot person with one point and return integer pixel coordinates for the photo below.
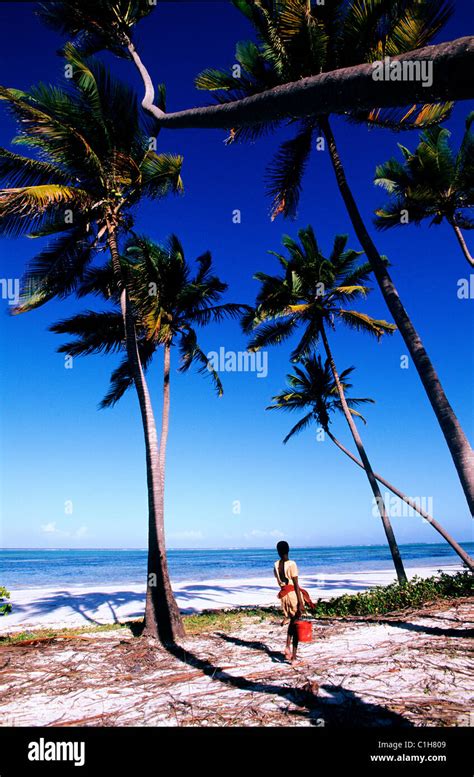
(291, 595)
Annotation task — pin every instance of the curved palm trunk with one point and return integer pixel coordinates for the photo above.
(458, 444)
(337, 91)
(148, 99)
(455, 546)
(397, 560)
(462, 242)
(162, 618)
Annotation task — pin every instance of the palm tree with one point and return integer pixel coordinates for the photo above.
(312, 389)
(93, 165)
(432, 182)
(312, 292)
(298, 39)
(104, 24)
(168, 302)
(109, 24)
(96, 25)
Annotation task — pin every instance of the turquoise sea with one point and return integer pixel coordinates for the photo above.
(34, 568)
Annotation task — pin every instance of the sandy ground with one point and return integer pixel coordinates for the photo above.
(411, 669)
(78, 606)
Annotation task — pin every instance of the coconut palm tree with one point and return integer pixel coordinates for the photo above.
(297, 39)
(168, 302)
(311, 389)
(312, 293)
(432, 182)
(109, 24)
(93, 165)
(96, 25)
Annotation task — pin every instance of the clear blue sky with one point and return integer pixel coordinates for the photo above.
(58, 448)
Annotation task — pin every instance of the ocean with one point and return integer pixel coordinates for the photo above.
(35, 568)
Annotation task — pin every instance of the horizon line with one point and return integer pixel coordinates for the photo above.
(247, 547)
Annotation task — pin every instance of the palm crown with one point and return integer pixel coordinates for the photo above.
(93, 164)
(432, 182)
(169, 302)
(312, 386)
(96, 24)
(300, 38)
(312, 291)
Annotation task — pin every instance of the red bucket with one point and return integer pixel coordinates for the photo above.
(304, 630)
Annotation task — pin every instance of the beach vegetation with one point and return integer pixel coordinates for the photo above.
(395, 598)
(5, 606)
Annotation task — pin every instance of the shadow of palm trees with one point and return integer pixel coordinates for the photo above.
(342, 707)
(275, 655)
(434, 631)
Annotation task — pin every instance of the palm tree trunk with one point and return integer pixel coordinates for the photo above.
(165, 420)
(458, 444)
(149, 96)
(338, 91)
(455, 546)
(173, 614)
(462, 242)
(162, 618)
(397, 560)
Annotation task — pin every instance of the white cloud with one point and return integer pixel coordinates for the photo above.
(48, 528)
(186, 535)
(260, 533)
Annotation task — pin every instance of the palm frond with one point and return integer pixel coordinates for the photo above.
(95, 332)
(302, 424)
(405, 118)
(272, 333)
(23, 207)
(285, 173)
(161, 174)
(191, 353)
(361, 322)
(122, 379)
(57, 271)
(18, 171)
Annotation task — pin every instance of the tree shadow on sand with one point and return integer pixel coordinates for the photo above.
(434, 631)
(341, 708)
(275, 655)
(86, 605)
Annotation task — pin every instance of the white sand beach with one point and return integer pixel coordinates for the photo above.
(73, 606)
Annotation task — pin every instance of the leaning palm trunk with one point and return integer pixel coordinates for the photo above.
(397, 559)
(462, 242)
(455, 546)
(162, 618)
(337, 91)
(461, 451)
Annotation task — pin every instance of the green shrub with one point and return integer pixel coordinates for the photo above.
(389, 598)
(5, 607)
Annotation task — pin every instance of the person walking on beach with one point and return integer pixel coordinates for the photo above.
(292, 597)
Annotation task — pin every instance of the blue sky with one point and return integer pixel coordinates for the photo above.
(73, 476)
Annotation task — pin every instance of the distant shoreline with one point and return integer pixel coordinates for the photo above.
(33, 568)
(250, 548)
(71, 606)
